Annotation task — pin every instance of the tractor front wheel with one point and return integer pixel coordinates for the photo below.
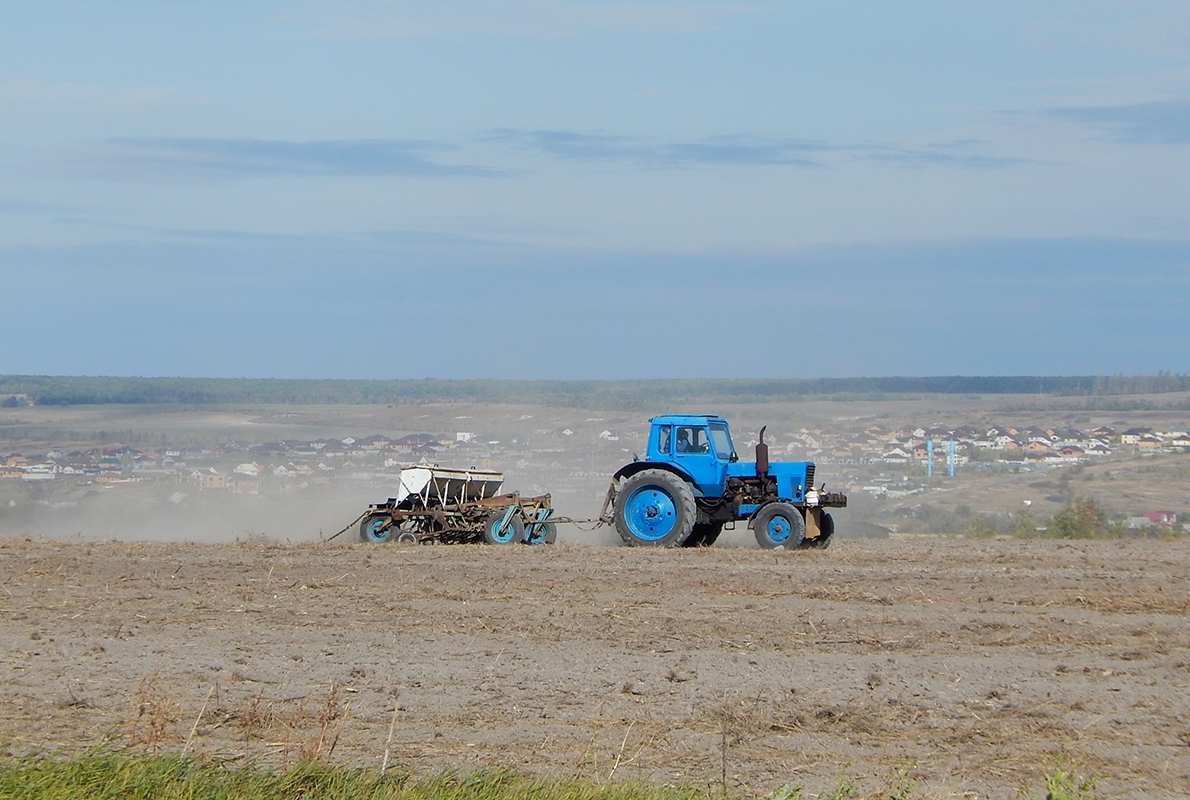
(779, 525)
(655, 508)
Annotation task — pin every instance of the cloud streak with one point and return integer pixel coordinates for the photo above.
(166, 159)
(180, 160)
(717, 150)
(743, 150)
(934, 155)
(1156, 122)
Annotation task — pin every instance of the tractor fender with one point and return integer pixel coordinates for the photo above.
(628, 470)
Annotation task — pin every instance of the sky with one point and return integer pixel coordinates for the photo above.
(628, 189)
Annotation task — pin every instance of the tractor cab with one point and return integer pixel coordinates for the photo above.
(697, 445)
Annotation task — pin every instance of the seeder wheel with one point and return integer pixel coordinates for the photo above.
(376, 528)
(496, 533)
(541, 532)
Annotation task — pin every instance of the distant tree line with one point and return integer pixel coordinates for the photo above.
(626, 394)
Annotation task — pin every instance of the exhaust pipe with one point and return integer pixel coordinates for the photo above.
(762, 456)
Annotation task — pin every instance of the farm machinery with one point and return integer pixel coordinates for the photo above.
(689, 487)
(454, 506)
(691, 484)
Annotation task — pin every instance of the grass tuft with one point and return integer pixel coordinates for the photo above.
(110, 775)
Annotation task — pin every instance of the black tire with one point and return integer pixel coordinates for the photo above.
(370, 529)
(823, 539)
(779, 525)
(712, 534)
(513, 532)
(704, 534)
(406, 537)
(655, 508)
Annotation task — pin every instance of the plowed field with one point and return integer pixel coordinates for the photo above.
(970, 664)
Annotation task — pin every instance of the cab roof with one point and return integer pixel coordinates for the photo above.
(686, 419)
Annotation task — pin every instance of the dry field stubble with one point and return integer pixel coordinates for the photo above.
(969, 664)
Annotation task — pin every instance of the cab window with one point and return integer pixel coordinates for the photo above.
(663, 439)
(691, 440)
(722, 440)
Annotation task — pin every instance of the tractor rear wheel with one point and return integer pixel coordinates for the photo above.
(373, 530)
(704, 534)
(655, 508)
(494, 533)
(822, 541)
(779, 525)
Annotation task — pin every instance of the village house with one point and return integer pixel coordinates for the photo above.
(1150, 444)
(1133, 436)
(211, 479)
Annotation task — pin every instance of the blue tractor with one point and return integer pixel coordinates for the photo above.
(691, 484)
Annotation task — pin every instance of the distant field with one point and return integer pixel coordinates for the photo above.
(575, 467)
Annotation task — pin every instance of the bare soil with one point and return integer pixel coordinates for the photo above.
(970, 664)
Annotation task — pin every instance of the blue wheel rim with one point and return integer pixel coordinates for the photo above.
(373, 526)
(650, 513)
(501, 535)
(535, 532)
(778, 528)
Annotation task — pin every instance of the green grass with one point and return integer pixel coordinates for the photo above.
(104, 775)
(107, 774)
(1063, 783)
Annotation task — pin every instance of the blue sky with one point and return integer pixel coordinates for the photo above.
(594, 189)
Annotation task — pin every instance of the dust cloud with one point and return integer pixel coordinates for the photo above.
(187, 515)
